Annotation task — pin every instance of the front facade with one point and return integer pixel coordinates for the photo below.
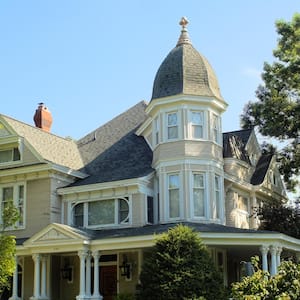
(89, 209)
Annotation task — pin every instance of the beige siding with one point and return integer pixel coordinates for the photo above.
(138, 209)
(187, 149)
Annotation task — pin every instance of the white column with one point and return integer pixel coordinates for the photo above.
(37, 260)
(273, 250)
(82, 255)
(264, 253)
(88, 275)
(15, 282)
(44, 277)
(96, 294)
(278, 253)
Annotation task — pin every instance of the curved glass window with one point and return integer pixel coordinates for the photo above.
(101, 213)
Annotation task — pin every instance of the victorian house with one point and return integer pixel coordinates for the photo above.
(89, 209)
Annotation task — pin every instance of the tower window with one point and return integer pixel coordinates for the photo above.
(173, 190)
(197, 125)
(172, 123)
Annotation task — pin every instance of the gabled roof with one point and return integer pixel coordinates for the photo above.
(52, 148)
(114, 152)
(261, 169)
(234, 144)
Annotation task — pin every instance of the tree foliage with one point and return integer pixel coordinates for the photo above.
(9, 217)
(180, 267)
(261, 286)
(277, 111)
(277, 217)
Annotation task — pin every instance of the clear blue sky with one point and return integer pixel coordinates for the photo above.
(90, 60)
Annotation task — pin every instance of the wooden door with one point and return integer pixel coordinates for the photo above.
(108, 282)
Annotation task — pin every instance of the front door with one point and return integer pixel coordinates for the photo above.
(108, 282)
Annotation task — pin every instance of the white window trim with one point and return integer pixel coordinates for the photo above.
(191, 124)
(206, 204)
(116, 213)
(218, 129)
(167, 211)
(15, 187)
(166, 126)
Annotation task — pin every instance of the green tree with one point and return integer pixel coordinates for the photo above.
(9, 217)
(277, 217)
(180, 267)
(261, 286)
(277, 111)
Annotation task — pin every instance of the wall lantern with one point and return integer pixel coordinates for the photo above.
(125, 268)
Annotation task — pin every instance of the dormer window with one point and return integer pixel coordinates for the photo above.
(197, 124)
(172, 124)
(9, 155)
(108, 212)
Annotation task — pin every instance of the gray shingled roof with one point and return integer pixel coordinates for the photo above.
(234, 144)
(114, 152)
(185, 71)
(261, 169)
(158, 229)
(55, 149)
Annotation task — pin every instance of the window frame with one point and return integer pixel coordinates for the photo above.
(204, 189)
(193, 124)
(216, 128)
(169, 189)
(169, 125)
(19, 205)
(15, 155)
(218, 196)
(156, 131)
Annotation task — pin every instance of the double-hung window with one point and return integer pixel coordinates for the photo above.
(199, 194)
(174, 196)
(172, 125)
(197, 124)
(156, 131)
(13, 194)
(216, 128)
(217, 197)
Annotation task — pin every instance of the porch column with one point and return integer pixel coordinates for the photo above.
(44, 277)
(37, 261)
(273, 250)
(15, 283)
(264, 253)
(96, 294)
(278, 254)
(88, 275)
(82, 255)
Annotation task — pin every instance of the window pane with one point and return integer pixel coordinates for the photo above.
(123, 211)
(78, 215)
(198, 180)
(197, 131)
(198, 202)
(16, 154)
(7, 194)
(174, 203)
(172, 119)
(173, 132)
(101, 212)
(5, 156)
(173, 181)
(21, 204)
(197, 118)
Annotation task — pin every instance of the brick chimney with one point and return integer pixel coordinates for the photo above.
(42, 117)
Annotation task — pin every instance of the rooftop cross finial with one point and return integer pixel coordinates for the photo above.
(184, 37)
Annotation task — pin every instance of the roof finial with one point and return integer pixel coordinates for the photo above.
(184, 37)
